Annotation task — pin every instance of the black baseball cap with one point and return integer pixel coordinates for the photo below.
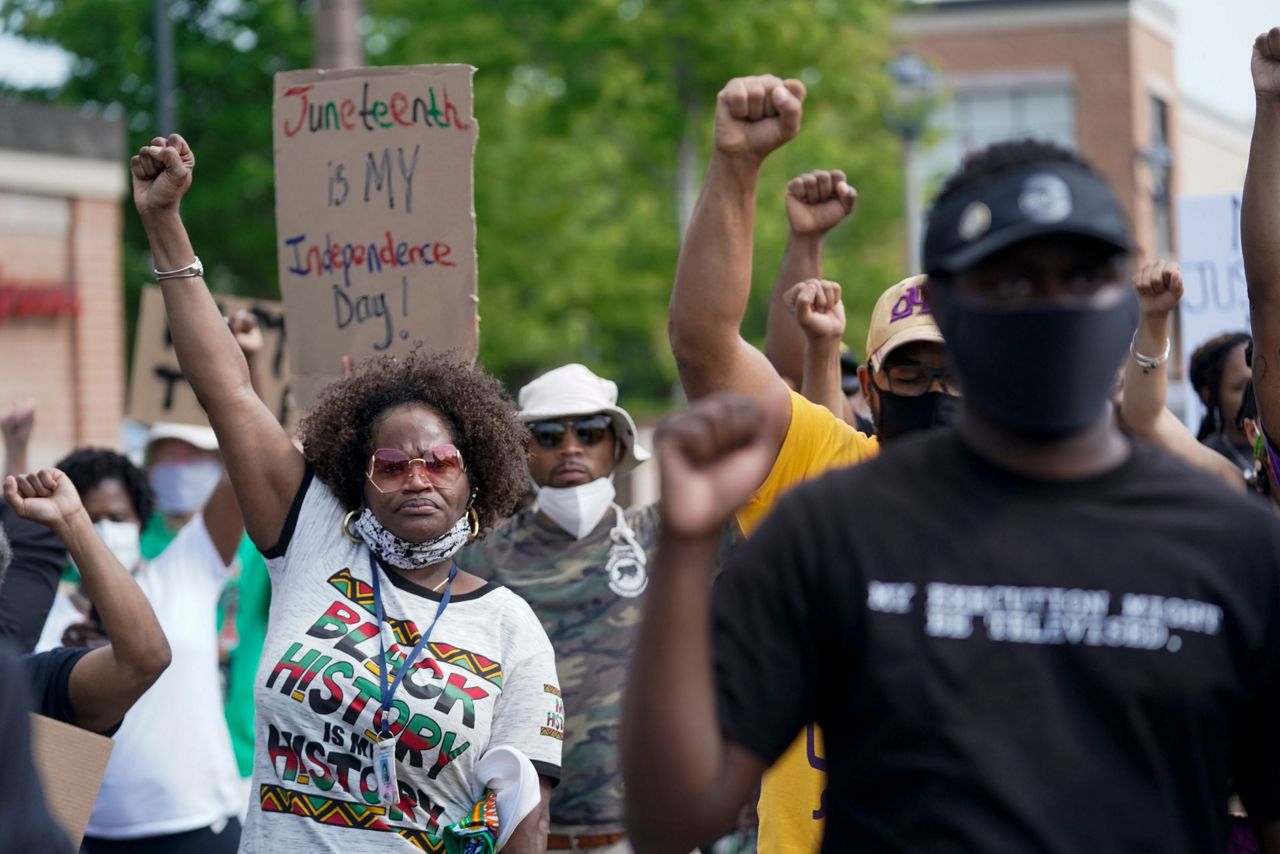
(1027, 201)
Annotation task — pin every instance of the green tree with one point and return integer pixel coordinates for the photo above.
(595, 117)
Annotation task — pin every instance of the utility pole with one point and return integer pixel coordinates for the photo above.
(336, 34)
(166, 76)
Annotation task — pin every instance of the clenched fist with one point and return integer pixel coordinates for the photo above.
(1265, 64)
(755, 115)
(816, 306)
(1159, 287)
(161, 174)
(818, 201)
(711, 458)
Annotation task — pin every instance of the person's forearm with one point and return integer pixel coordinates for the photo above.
(530, 836)
(138, 644)
(255, 374)
(1259, 225)
(207, 352)
(821, 382)
(15, 459)
(1146, 389)
(713, 275)
(784, 341)
(673, 659)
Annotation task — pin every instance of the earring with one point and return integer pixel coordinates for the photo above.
(474, 518)
(346, 525)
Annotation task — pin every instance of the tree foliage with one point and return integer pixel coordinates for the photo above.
(583, 108)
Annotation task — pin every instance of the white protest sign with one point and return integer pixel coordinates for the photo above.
(375, 214)
(1216, 299)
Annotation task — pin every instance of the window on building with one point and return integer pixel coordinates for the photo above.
(977, 115)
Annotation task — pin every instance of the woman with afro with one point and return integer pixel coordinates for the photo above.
(387, 673)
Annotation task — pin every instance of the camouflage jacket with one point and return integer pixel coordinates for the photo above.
(587, 593)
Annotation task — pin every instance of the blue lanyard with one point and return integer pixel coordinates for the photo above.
(389, 690)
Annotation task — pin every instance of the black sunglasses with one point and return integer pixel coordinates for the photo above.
(591, 430)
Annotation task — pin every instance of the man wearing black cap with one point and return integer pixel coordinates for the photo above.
(1057, 641)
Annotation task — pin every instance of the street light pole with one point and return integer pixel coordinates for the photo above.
(914, 89)
(166, 78)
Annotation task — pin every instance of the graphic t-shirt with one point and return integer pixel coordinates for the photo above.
(486, 678)
(172, 768)
(791, 808)
(1011, 664)
(588, 595)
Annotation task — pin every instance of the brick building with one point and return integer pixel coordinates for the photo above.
(62, 180)
(1095, 75)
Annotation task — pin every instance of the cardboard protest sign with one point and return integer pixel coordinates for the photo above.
(71, 763)
(374, 213)
(1216, 299)
(157, 389)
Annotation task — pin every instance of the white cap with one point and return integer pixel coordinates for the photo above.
(574, 390)
(193, 434)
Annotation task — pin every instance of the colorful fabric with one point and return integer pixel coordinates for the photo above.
(318, 696)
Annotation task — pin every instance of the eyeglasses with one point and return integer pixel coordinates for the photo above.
(915, 380)
(390, 469)
(590, 431)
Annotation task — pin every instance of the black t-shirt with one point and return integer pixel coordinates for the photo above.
(1006, 664)
(48, 680)
(25, 824)
(27, 591)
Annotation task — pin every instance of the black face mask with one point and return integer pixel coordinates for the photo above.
(1045, 373)
(900, 414)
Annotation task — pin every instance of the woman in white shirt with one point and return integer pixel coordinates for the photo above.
(387, 673)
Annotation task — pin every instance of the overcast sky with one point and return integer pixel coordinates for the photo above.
(1212, 52)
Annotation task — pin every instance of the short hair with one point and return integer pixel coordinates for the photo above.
(1205, 372)
(1001, 157)
(337, 434)
(88, 467)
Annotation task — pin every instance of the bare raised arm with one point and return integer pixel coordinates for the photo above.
(1143, 410)
(815, 307)
(754, 116)
(816, 203)
(106, 682)
(1259, 226)
(265, 468)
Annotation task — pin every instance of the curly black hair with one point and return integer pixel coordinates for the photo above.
(337, 434)
(1001, 157)
(87, 467)
(1205, 374)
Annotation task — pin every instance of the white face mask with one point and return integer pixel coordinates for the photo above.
(183, 488)
(577, 509)
(124, 539)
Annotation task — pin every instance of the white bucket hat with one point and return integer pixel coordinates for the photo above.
(574, 390)
(193, 434)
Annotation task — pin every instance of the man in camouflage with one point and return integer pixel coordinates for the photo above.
(580, 561)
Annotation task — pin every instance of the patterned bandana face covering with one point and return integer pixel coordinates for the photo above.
(402, 554)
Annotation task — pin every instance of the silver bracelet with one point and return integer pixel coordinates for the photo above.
(195, 268)
(1149, 363)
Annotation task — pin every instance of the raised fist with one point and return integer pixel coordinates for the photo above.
(816, 306)
(1159, 286)
(46, 496)
(818, 201)
(244, 326)
(1265, 64)
(755, 115)
(711, 458)
(161, 173)
(17, 422)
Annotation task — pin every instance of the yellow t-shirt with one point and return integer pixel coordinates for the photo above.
(791, 794)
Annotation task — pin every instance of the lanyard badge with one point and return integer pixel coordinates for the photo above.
(384, 762)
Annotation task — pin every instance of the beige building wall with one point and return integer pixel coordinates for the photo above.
(61, 231)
